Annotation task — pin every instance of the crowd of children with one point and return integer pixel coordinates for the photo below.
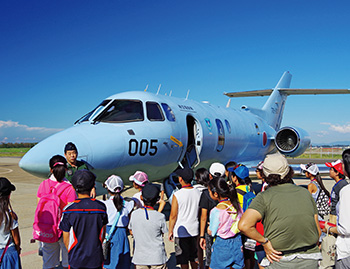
(204, 218)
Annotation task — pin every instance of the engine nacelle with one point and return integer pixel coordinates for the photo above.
(292, 141)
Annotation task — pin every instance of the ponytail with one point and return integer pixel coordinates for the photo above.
(58, 165)
(219, 185)
(320, 182)
(118, 200)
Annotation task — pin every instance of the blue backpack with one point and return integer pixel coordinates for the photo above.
(248, 196)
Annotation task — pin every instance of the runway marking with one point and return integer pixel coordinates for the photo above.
(6, 172)
(29, 253)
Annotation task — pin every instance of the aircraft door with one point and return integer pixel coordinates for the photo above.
(194, 143)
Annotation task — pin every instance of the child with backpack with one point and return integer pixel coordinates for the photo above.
(83, 223)
(224, 218)
(10, 241)
(118, 211)
(53, 195)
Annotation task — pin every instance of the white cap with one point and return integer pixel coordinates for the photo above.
(275, 164)
(311, 168)
(217, 168)
(113, 183)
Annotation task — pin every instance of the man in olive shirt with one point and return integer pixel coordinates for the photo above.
(289, 216)
(73, 165)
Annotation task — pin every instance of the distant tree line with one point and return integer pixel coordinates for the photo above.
(17, 145)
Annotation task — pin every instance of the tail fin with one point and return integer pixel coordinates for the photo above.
(274, 106)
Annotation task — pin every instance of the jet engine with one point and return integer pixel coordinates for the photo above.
(292, 141)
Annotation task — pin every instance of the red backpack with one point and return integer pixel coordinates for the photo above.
(48, 214)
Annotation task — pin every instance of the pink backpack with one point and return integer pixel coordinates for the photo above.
(48, 215)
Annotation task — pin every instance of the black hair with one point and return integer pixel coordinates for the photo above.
(220, 186)
(150, 202)
(5, 209)
(275, 179)
(346, 161)
(58, 164)
(320, 182)
(231, 164)
(202, 176)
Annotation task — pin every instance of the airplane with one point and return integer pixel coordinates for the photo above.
(139, 130)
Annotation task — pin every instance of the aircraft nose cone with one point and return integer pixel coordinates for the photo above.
(36, 160)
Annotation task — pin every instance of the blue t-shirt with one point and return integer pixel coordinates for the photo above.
(86, 217)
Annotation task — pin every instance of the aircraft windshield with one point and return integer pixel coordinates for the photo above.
(93, 112)
(122, 111)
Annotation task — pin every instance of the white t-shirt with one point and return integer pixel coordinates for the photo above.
(187, 223)
(5, 234)
(112, 212)
(343, 225)
(137, 199)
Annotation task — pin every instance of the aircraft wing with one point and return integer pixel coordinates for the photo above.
(287, 91)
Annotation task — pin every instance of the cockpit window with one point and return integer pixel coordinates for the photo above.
(154, 113)
(93, 112)
(168, 112)
(122, 111)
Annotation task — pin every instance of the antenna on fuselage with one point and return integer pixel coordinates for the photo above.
(146, 88)
(160, 85)
(188, 92)
(170, 93)
(228, 103)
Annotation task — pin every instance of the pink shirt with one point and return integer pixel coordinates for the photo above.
(65, 190)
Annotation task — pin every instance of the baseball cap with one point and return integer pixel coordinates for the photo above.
(217, 168)
(70, 146)
(113, 183)
(337, 165)
(312, 168)
(241, 171)
(140, 178)
(186, 173)
(83, 180)
(150, 192)
(6, 187)
(275, 164)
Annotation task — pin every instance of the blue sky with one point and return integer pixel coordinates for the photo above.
(59, 59)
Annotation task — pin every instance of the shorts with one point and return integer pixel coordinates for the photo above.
(11, 258)
(343, 263)
(208, 246)
(227, 253)
(161, 266)
(51, 254)
(185, 249)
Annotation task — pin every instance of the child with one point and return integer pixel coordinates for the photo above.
(183, 220)
(120, 249)
(66, 193)
(147, 227)
(139, 180)
(8, 228)
(227, 248)
(83, 223)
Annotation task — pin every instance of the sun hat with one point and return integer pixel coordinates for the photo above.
(275, 164)
(312, 168)
(113, 183)
(337, 165)
(83, 180)
(241, 171)
(150, 192)
(140, 178)
(186, 173)
(6, 187)
(217, 169)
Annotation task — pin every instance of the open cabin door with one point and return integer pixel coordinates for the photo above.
(194, 143)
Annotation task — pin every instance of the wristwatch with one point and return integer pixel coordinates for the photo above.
(266, 240)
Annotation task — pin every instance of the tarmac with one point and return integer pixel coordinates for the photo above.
(23, 201)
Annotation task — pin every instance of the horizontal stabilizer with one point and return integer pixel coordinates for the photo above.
(287, 92)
